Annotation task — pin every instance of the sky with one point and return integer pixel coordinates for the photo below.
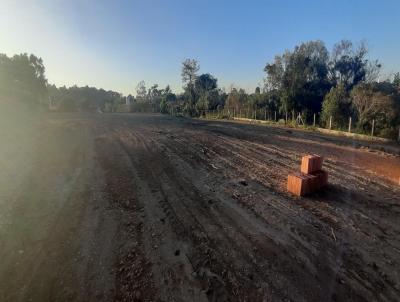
(116, 44)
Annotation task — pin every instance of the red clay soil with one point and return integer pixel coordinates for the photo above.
(155, 208)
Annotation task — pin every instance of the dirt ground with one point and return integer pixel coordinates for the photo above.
(141, 207)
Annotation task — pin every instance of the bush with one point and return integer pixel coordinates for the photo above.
(390, 133)
(336, 104)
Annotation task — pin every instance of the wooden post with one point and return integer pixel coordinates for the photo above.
(286, 117)
(240, 112)
(350, 124)
(293, 115)
(330, 122)
(373, 127)
(265, 113)
(275, 116)
(314, 120)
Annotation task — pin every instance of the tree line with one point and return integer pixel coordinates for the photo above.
(335, 86)
(22, 77)
(310, 80)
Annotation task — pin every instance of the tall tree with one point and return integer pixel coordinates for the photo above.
(349, 65)
(22, 77)
(300, 76)
(141, 91)
(190, 67)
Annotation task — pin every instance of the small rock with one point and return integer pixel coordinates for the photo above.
(236, 195)
(243, 183)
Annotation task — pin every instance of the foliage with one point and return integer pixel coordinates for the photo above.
(190, 67)
(84, 98)
(306, 80)
(336, 104)
(237, 99)
(168, 100)
(300, 77)
(141, 91)
(396, 80)
(22, 78)
(378, 101)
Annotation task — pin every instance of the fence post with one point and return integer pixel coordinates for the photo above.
(314, 120)
(373, 127)
(349, 124)
(330, 122)
(265, 114)
(255, 114)
(286, 117)
(275, 115)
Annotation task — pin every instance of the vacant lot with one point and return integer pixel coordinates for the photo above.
(154, 208)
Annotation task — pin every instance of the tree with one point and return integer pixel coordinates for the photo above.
(154, 94)
(204, 83)
(190, 67)
(336, 105)
(300, 77)
(141, 91)
(396, 80)
(237, 99)
(349, 66)
(167, 100)
(84, 98)
(22, 78)
(375, 101)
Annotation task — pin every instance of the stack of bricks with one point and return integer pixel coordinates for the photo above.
(311, 177)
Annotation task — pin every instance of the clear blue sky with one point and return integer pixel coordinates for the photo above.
(115, 44)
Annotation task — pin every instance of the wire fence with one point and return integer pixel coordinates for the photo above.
(294, 119)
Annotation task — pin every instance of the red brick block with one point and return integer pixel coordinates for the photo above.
(321, 178)
(301, 184)
(311, 163)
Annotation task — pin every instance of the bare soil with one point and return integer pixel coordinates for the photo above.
(141, 207)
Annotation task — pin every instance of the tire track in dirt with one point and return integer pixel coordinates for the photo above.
(189, 143)
(253, 242)
(280, 265)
